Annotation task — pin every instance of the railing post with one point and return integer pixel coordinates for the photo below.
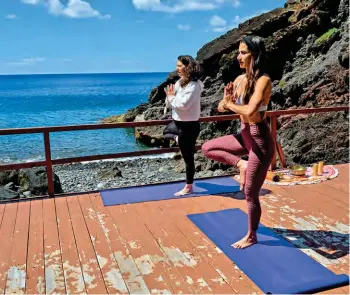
(49, 170)
(273, 126)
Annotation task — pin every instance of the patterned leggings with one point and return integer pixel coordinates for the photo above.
(255, 140)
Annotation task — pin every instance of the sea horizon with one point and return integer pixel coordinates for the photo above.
(88, 73)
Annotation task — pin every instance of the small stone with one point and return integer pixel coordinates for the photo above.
(100, 185)
(27, 193)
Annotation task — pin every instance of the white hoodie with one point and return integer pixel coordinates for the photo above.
(186, 103)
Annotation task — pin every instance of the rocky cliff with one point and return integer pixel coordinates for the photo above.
(307, 45)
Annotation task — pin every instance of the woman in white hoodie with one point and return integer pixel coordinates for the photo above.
(184, 99)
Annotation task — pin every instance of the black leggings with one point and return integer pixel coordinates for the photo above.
(187, 133)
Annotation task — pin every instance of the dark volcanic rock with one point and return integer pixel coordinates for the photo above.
(321, 137)
(7, 194)
(31, 181)
(35, 180)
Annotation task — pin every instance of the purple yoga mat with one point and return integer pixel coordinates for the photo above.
(156, 192)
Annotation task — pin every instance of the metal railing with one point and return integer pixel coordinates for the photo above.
(49, 162)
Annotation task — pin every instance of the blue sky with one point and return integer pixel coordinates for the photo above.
(97, 36)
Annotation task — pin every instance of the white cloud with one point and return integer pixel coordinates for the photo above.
(178, 6)
(218, 24)
(184, 27)
(217, 21)
(11, 16)
(27, 61)
(72, 9)
(236, 3)
(33, 2)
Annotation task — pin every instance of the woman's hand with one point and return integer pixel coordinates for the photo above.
(229, 97)
(170, 90)
(229, 93)
(221, 108)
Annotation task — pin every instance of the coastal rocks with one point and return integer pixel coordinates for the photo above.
(343, 56)
(153, 135)
(35, 180)
(158, 94)
(7, 194)
(131, 114)
(26, 182)
(309, 139)
(111, 172)
(114, 119)
(7, 177)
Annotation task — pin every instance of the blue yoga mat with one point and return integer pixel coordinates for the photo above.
(156, 192)
(274, 264)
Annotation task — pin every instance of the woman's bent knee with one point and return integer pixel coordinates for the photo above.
(206, 147)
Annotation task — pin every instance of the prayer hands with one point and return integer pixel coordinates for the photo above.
(170, 90)
(229, 94)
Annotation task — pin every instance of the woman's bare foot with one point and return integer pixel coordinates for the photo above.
(249, 240)
(242, 166)
(185, 191)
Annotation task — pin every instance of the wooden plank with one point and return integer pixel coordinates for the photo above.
(2, 210)
(93, 278)
(16, 279)
(150, 260)
(172, 256)
(6, 238)
(131, 274)
(162, 228)
(35, 262)
(346, 289)
(341, 182)
(54, 276)
(73, 274)
(176, 210)
(109, 268)
(313, 202)
(343, 187)
(334, 291)
(337, 197)
(170, 253)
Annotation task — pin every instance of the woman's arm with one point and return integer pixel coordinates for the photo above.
(251, 108)
(184, 100)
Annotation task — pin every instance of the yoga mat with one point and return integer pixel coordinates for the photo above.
(274, 265)
(156, 192)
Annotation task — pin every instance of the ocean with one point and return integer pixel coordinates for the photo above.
(69, 99)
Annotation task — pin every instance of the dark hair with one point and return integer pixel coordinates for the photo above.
(192, 69)
(257, 49)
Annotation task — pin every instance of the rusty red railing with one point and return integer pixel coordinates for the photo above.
(49, 162)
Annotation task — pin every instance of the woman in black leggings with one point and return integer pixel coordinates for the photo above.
(184, 99)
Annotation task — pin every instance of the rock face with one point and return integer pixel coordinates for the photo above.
(307, 46)
(26, 182)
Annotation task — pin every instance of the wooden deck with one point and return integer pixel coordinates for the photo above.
(74, 244)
